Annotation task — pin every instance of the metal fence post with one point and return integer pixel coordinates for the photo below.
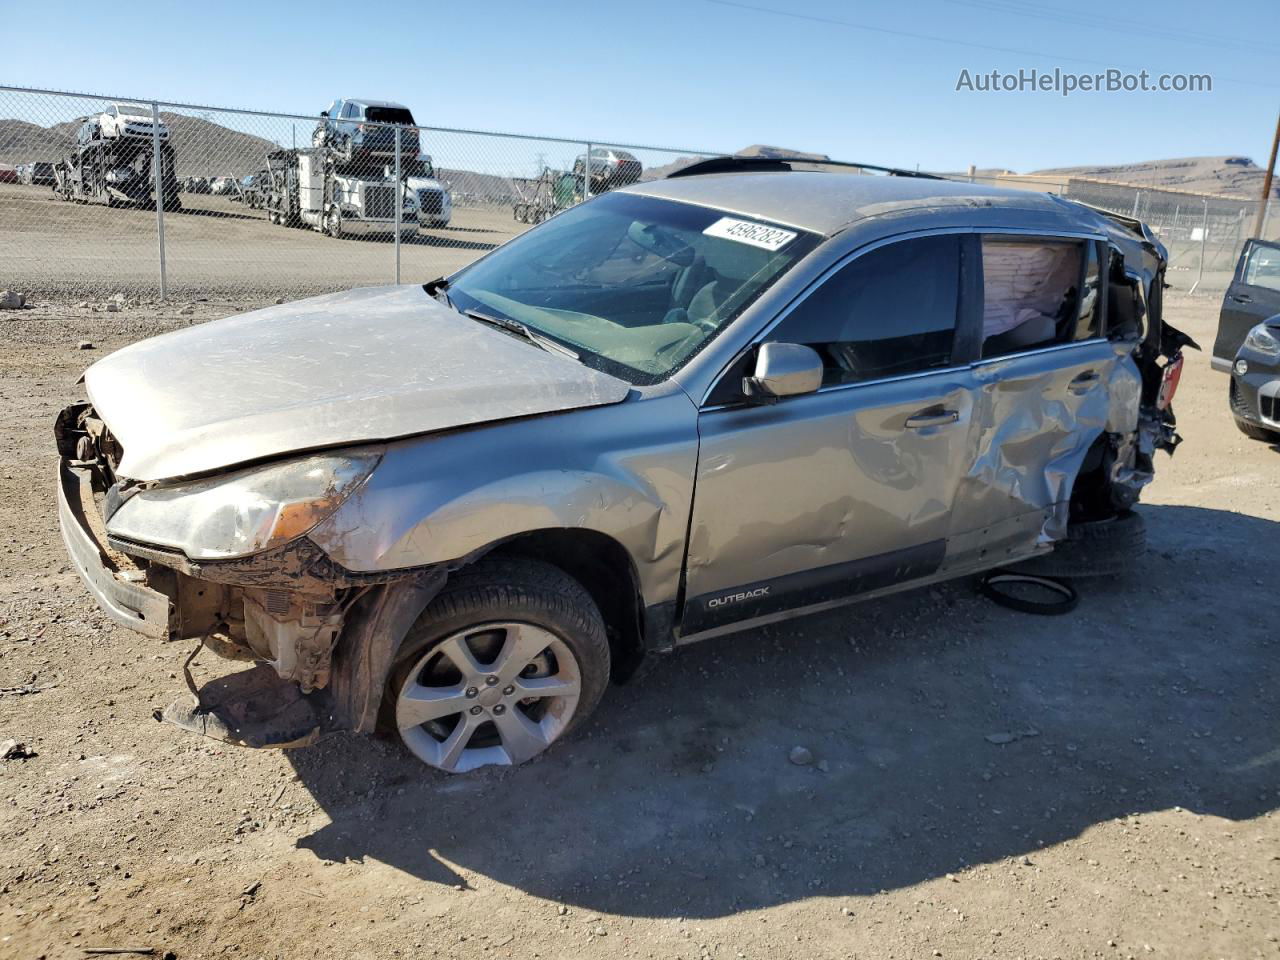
(1137, 199)
(586, 174)
(1204, 236)
(400, 192)
(157, 172)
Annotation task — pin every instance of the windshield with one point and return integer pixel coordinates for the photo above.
(420, 167)
(389, 115)
(636, 285)
(133, 110)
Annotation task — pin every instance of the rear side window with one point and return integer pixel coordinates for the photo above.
(389, 115)
(1089, 320)
(1262, 269)
(890, 312)
(1031, 294)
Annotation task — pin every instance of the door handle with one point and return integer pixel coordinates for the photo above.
(931, 418)
(1083, 382)
(1242, 298)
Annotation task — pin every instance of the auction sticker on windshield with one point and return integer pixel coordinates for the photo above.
(756, 234)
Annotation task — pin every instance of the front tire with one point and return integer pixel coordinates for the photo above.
(511, 656)
(333, 224)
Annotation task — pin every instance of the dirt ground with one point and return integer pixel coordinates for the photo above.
(1131, 814)
(68, 252)
(73, 252)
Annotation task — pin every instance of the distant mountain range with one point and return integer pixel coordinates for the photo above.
(202, 147)
(1223, 176)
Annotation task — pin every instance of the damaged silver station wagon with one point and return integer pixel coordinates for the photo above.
(677, 410)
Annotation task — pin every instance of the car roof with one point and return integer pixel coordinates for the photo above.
(825, 203)
(375, 103)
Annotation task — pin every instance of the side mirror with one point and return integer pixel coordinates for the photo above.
(783, 370)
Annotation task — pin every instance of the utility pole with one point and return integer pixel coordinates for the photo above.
(1266, 184)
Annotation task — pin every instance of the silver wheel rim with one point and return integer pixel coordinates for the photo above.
(504, 709)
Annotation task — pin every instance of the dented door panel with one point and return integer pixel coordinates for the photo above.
(1038, 414)
(835, 483)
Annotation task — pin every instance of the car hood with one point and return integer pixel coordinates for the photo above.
(424, 183)
(366, 365)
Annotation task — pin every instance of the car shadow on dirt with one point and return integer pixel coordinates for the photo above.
(453, 243)
(187, 211)
(945, 731)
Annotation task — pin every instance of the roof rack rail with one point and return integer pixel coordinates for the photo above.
(729, 164)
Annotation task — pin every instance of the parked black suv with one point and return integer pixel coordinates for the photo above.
(1248, 341)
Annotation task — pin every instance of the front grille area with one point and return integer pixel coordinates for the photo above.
(380, 202)
(1270, 407)
(431, 202)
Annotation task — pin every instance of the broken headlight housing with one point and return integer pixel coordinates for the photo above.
(1263, 340)
(244, 512)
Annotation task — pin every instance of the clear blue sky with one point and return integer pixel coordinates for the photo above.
(698, 73)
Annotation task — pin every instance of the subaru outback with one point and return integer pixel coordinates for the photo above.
(457, 511)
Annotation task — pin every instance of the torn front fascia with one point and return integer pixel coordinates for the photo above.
(298, 565)
(348, 655)
(294, 633)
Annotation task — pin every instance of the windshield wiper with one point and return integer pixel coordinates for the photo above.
(515, 326)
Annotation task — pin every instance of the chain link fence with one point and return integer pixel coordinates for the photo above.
(149, 199)
(152, 200)
(1203, 232)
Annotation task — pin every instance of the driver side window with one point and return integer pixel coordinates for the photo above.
(890, 312)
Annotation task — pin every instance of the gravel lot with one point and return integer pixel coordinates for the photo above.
(1133, 812)
(71, 252)
(213, 248)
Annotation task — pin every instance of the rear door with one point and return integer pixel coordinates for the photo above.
(1254, 296)
(1044, 379)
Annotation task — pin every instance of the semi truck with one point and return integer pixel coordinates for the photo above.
(306, 189)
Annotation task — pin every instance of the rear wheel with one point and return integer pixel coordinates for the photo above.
(509, 658)
(1095, 548)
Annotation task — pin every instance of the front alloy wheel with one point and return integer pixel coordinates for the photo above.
(499, 693)
(511, 656)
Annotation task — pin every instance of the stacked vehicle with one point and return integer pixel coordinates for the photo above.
(113, 160)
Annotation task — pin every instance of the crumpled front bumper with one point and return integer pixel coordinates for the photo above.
(121, 592)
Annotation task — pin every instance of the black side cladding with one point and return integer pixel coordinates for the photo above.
(807, 587)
